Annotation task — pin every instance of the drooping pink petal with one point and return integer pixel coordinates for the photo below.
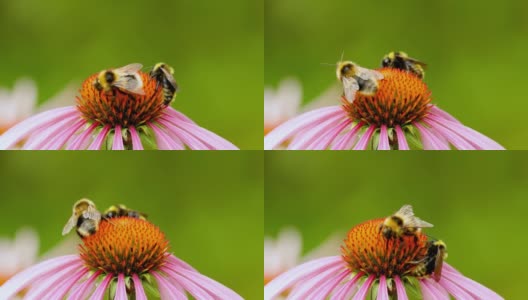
(136, 141)
(383, 293)
(42, 137)
(348, 289)
(192, 142)
(384, 139)
(66, 285)
(164, 141)
(172, 112)
(36, 272)
(454, 289)
(429, 140)
(476, 138)
(427, 292)
(120, 293)
(325, 141)
(209, 284)
(473, 287)
(138, 288)
(454, 138)
(291, 127)
(81, 291)
(99, 139)
(439, 112)
(195, 290)
(51, 281)
(365, 138)
(347, 140)
(101, 289)
(437, 291)
(365, 287)
(167, 290)
(20, 131)
(400, 289)
(312, 135)
(323, 291)
(402, 141)
(206, 136)
(118, 139)
(180, 263)
(61, 139)
(304, 290)
(287, 279)
(82, 138)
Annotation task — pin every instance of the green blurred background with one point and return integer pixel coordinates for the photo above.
(209, 206)
(476, 52)
(476, 201)
(215, 47)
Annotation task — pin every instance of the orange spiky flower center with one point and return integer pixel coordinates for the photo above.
(401, 99)
(367, 250)
(125, 245)
(121, 107)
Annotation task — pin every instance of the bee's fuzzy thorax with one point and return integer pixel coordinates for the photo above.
(401, 99)
(125, 245)
(366, 250)
(119, 107)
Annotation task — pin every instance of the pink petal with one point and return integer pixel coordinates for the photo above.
(383, 293)
(347, 140)
(180, 263)
(326, 288)
(437, 111)
(118, 139)
(50, 282)
(475, 288)
(24, 128)
(363, 290)
(454, 138)
(193, 289)
(305, 289)
(312, 135)
(121, 293)
(172, 112)
(209, 284)
(400, 289)
(44, 136)
(66, 286)
(163, 140)
(192, 142)
(427, 292)
(167, 290)
(101, 289)
(287, 279)
(136, 141)
(435, 289)
(363, 141)
(138, 287)
(82, 289)
(384, 139)
(429, 140)
(34, 273)
(60, 140)
(99, 139)
(326, 140)
(454, 289)
(82, 138)
(402, 141)
(347, 289)
(206, 136)
(291, 127)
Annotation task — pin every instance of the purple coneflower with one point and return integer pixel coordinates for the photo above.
(372, 265)
(117, 120)
(399, 116)
(124, 256)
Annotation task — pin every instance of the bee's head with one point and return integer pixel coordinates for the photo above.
(345, 69)
(388, 59)
(109, 77)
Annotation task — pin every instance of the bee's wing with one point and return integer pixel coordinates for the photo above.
(69, 225)
(406, 211)
(131, 83)
(368, 74)
(170, 78)
(92, 213)
(417, 223)
(129, 69)
(350, 87)
(417, 62)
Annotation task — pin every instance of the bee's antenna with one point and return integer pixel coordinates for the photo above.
(328, 64)
(342, 55)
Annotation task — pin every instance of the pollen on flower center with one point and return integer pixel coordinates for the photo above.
(119, 107)
(125, 245)
(401, 98)
(367, 250)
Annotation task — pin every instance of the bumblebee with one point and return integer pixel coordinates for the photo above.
(400, 60)
(120, 210)
(163, 74)
(125, 78)
(403, 222)
(357, 79)
(433, 261)
(85, 218)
